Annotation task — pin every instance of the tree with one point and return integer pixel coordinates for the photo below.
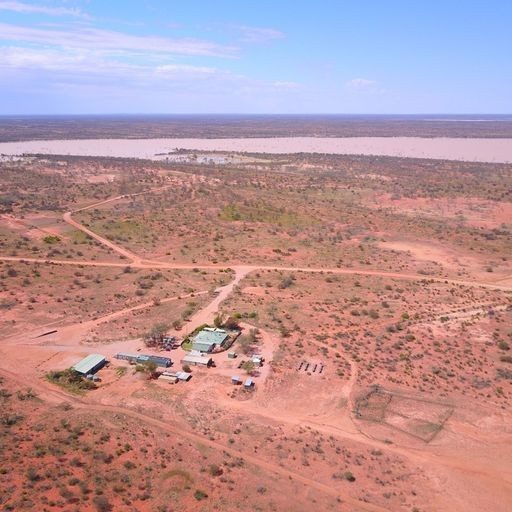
(248, 366)
(218, 321)
(102, 504)
(246, 341)
(6, 203)
(286, 282)
(148, 368)
(231, 323)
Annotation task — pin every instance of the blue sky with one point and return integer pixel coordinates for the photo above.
(262, 56)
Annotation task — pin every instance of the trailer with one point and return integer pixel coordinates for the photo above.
(163, 362)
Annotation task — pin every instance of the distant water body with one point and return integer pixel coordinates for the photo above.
(492, 150)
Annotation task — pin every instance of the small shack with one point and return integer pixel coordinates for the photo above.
(169, 378)
(232, 355)
(197, 360)
(249, 384)
(236, 380)
(90, 364)
(257, 360)
(176, 376)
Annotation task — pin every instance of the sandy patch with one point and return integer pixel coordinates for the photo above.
(431, 252)
(254, 290)
(101, 178)
(471, 211)
(474, 149)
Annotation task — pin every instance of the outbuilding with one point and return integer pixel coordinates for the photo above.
(236, 380)
(248, 384)
(163, 362)
(90, 364)
(257, 360)
(197, 359)
(169, 378)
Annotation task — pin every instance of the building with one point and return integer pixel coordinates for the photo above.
(169, 378)
(90, 364)
(248, 384)
(183, 376)
(197, 359)
(257, 360)
(236, 380)
(207, 339)
(232, 355)
(163, 362)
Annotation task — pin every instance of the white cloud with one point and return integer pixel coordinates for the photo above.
(79, 67)
(57, 60)
(24, 8)
(184, 68)
(258, 34)
(361, 83)
(102, 40)
(286, 85)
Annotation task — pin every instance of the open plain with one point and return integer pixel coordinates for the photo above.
(377, 290)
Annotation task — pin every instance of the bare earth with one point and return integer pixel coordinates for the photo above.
(443, 148)
(378, 291)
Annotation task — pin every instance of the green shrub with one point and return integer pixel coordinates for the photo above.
(200, 495)
(51, 239)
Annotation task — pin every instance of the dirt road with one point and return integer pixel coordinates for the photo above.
(206, 316)
(148, 264)
(55, 396)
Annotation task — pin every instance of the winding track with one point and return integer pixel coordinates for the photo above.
(136, 261)
(57, 396)
(240, 271)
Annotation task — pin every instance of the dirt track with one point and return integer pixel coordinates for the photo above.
(206, 315)
(56, 396)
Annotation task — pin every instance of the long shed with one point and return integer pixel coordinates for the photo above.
(197, 360)
(90, 364)
(164, 362)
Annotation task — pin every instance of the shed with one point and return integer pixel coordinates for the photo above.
(257, 360)
(164, 362)
(248, 384)
(236, 380)
(197, 360)
(184, 376)
(90, 364)
(169, 378)
(232, 355)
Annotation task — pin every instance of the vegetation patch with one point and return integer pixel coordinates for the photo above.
(70, 381)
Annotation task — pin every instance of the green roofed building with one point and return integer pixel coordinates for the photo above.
(207, 339)
(90, 364)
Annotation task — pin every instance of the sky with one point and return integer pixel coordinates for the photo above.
(260, 56)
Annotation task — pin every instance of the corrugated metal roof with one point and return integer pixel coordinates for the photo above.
(88, 363)
(201, 346)
(195, 359)
(210, 337)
